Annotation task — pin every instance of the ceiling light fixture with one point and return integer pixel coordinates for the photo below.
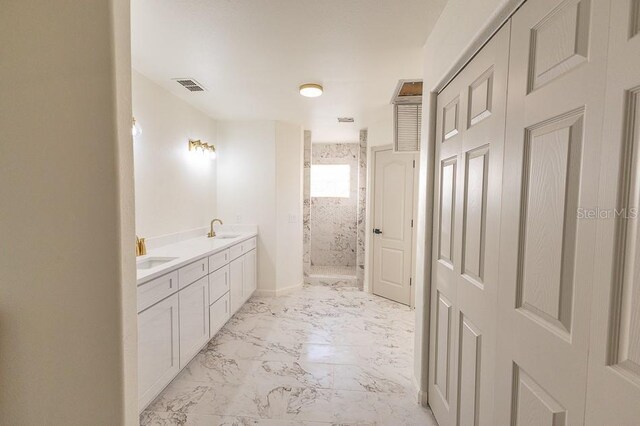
(311, 90)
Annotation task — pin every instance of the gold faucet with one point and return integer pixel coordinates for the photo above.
(141, 246)
(212, 233)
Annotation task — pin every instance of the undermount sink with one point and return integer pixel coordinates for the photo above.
(226, 236)
(152, 262)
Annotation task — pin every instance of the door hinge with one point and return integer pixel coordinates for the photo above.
(414, 164)
(410, 283)
(412, 223)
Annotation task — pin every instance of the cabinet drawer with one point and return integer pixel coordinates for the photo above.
(235, 251)
(218, 283)
(242, 248)
(249, 245)
(218, 314)
(193, 272)
(218, 260)
(154, 291)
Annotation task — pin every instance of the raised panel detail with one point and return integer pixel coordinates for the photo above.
(634, 24)
(626, 301)
(559, 42)
(450, 116)
(443, 345)
(480, 97)
(475, 199)
(394, 193)
(550, 185)
(391, 266)
(532, 405)
(447, 200)
(469, 372)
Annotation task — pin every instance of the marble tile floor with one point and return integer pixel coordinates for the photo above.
(324, 355)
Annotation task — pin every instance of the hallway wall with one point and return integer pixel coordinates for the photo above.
(68, 335)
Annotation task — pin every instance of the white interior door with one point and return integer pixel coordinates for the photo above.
(613, 391)
(555, 109)
(392, 225)
(470, 133)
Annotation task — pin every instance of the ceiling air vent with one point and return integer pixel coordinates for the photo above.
(190, 84)
(407, 115)
(345, 119)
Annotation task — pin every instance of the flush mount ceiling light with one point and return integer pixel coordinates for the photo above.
(311, 90)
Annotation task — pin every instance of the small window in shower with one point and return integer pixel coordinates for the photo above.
(330, 180)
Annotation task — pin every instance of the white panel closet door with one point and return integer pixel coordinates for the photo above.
(469, 149)
(555, 109)
(613, 393)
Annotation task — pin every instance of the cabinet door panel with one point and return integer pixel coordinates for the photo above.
(236, 274)
(158, 350)
(219, 314)
(194, 319)
(249, 274)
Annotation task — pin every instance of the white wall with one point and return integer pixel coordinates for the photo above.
(289, 168)
(175, 188)
(455, 33)
(379, 132)
(260, 182)
(67, 287)
(247, 185)
(381, 128)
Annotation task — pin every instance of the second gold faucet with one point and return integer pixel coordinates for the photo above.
(141, 246)
(212, 233)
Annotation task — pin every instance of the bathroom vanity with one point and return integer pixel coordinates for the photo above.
(186, 292)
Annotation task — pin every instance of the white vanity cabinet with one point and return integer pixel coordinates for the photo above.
(250, 282)
(158, 348)
(193, 311)
(180, 311)
(243, 283)
(236, 283)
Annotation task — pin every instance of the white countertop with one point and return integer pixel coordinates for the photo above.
(187, 251)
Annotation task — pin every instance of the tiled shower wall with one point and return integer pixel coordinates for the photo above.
(334, 221)
(356, 154)
(306, 190)
(362, 202)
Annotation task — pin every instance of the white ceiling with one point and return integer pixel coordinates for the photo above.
(252, 55)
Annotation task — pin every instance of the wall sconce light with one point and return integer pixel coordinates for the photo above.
(136, 130)
(210, 150)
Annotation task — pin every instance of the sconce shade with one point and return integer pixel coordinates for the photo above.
(206, 149)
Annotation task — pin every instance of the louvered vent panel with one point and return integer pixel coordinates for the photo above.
(408, 123)
(190, 84)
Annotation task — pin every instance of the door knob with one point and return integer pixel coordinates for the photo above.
(377, 231)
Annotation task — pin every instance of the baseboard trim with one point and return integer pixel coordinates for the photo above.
(420, 395)
(279, 291)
